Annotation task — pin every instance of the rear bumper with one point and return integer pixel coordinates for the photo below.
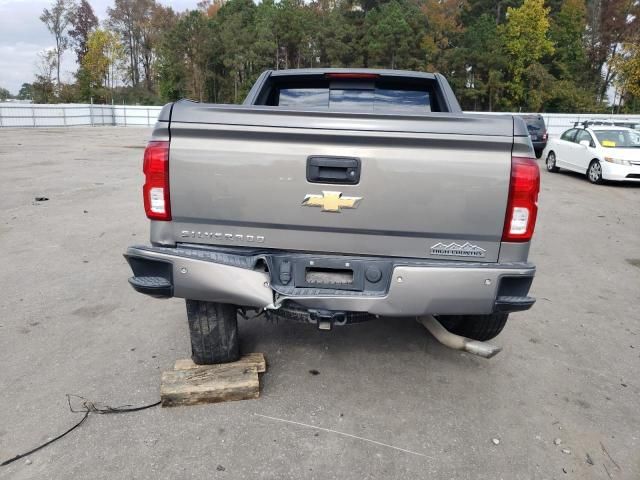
(413, 287)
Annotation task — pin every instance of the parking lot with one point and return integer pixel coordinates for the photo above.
(388, 401)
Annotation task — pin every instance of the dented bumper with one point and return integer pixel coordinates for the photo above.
(405, 287)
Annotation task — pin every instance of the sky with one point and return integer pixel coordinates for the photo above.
(23, 35)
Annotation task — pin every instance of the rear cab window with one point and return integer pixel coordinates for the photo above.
(401, 95)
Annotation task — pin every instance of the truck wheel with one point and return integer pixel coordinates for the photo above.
(476, 327)
(214, 332)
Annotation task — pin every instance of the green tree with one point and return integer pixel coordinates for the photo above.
(390, 38)
(443, 33)
(526, 42)
(494, 9)
(138, 24)
(284, 33)
(268, 37)
(4, 94)
(289, 25)
(480, 61)
(189, 56)
(340, 40)
(25, 92)
(235, 24)
(566, 32)
(101, 63)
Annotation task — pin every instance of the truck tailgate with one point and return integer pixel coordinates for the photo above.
(430, 186)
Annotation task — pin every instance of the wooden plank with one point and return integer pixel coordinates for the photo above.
(256, 359)
(209, 384)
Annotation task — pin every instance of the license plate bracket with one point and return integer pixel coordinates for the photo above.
(302, 271)
(333, 276)
(328, 273)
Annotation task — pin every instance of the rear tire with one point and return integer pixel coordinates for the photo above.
(476, 327)
(214, 332)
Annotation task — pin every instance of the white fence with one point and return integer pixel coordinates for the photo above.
(71, 115)
(68, 115)
(559, 122)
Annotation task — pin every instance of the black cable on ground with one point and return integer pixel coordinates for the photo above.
(87, 408)
(22, 455)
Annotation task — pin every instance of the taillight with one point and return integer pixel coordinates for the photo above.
(544, 136)
(522, 206)
(156, 185)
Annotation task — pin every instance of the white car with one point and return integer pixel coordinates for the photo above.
(601, 152)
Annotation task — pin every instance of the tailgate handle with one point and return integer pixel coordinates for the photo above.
(341, 170)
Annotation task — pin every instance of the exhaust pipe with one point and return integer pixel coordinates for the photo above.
(457, 342)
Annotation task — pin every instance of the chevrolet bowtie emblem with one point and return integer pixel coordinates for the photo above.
(331, 201)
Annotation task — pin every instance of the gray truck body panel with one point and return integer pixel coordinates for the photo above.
(427, 179)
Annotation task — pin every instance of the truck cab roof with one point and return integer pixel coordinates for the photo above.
(353, 71)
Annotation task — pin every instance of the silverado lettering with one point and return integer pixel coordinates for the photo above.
(222, 236)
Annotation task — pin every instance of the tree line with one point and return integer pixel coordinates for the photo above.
(505, 55)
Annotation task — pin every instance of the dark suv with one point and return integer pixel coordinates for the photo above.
(537, 132)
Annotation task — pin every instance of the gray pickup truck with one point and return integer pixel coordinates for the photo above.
(334, 195)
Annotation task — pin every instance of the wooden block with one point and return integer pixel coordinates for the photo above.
(209, 384)
(256, 359)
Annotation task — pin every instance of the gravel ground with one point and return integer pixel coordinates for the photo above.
(561, 401)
